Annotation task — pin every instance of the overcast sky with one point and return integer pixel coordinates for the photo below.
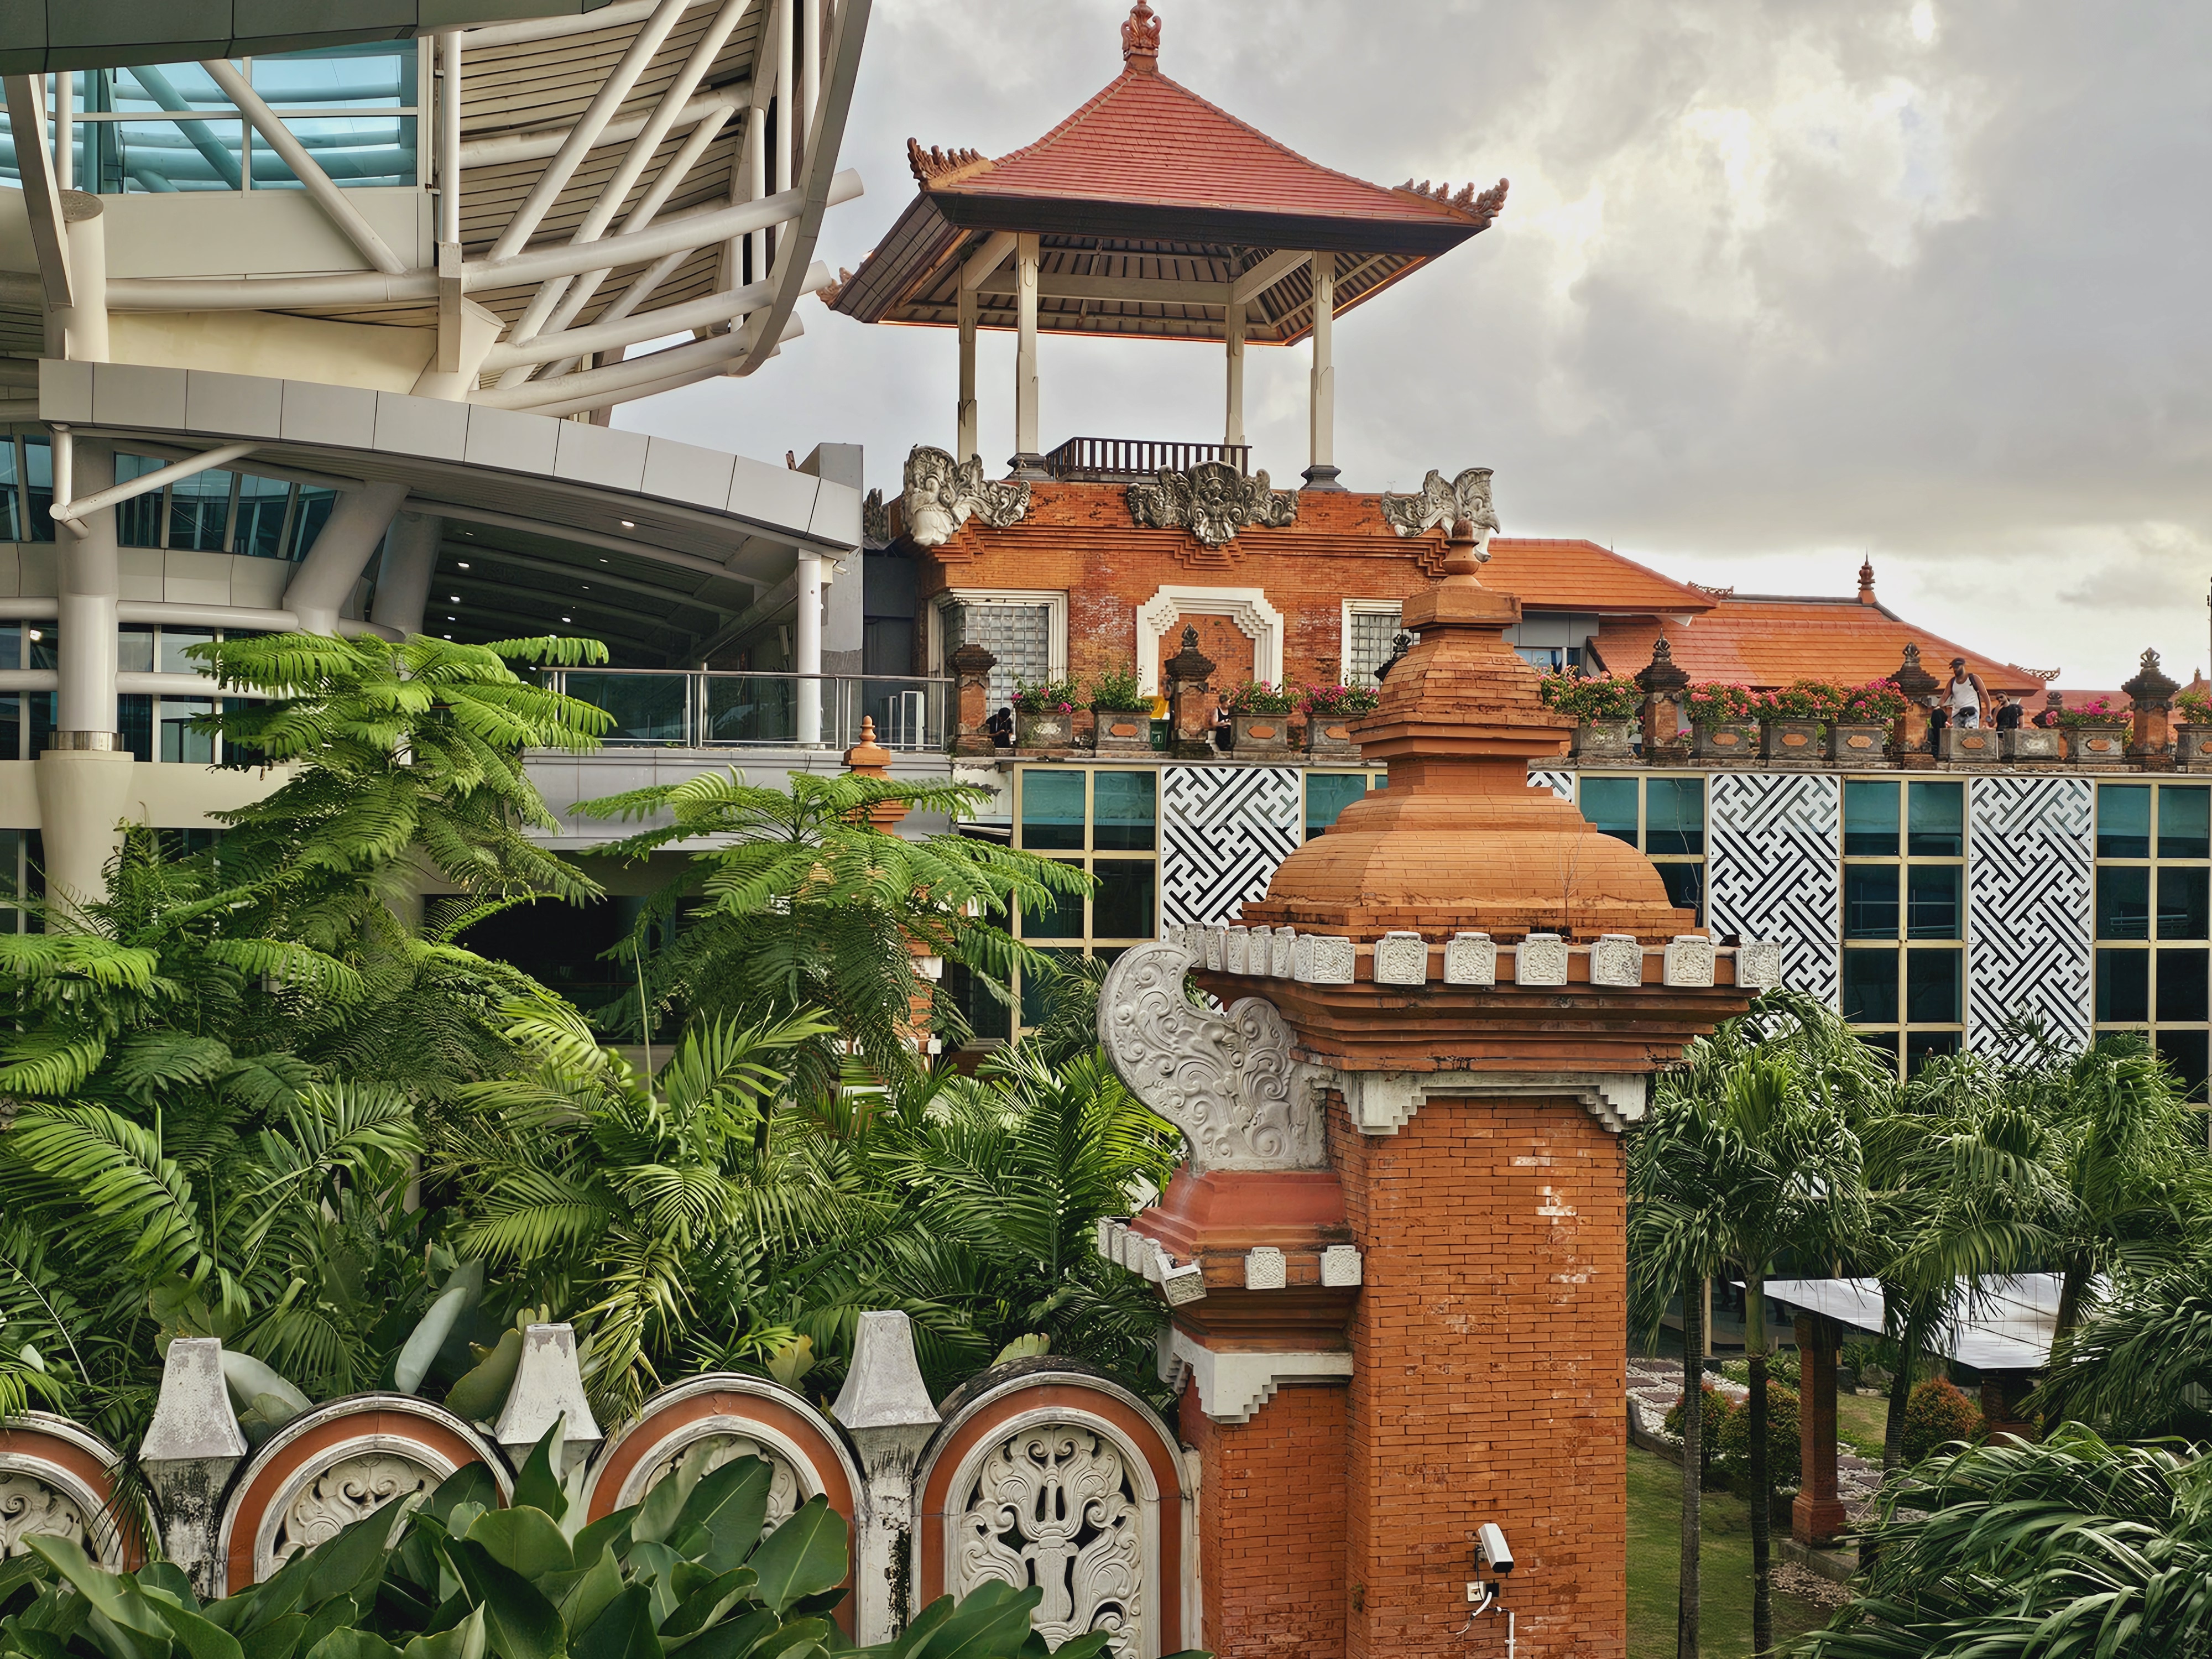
(1776, 284)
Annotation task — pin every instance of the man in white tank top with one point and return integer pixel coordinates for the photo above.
(1964, 696)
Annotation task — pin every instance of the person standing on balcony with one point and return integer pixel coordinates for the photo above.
(1964, 696)
(2008, 712)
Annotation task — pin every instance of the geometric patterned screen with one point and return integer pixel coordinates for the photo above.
(1774, 842)
(1223, 830)
(1561, 784)
(2030, 863)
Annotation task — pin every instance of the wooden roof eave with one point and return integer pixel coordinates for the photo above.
(1426, 236)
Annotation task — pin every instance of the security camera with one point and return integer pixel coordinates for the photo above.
(1492, 1549)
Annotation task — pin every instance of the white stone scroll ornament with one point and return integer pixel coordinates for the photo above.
(1227, 1080)
(1212, 501)
(1465, 499)
(29, 1507)
(1054, 1506)
(942, 494)
(341, 1494)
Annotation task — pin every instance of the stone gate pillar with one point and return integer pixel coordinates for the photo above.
(1395, 1266)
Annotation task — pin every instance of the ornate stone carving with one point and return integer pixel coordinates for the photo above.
(1759, 964)
(1281, 952)
(1226, 1080)
(1212, 501)
(1465, 499)
(30, 1508)
(1323, 959)
(1401, 958)
(1541, 959)
(875, 519)
(1265, 1269)
(1235, 950)
(784, 1491)
(930, 164)
(1341, 1264)
(344, 1493)
(942, 494)
(1470, 958)
(1484, 205)
(2151, 686)
(1616, 959)
(1689, 960)
(1054, 1505)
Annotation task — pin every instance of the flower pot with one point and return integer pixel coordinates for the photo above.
(1123, 731)
(1605, 742)
(1045, 729)
(1260, 734)
(1790, 740)
(2095, 745)
(1331, 734)
(2036, 743)
(1859, 745)
(1725, 740)
(1968, 744)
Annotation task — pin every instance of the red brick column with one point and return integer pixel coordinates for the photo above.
(1818, 1514)
(971, 666)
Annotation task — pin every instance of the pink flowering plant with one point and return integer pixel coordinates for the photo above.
(1337, 703)
(2195, 708)
(1588, 698)
(1262, 697)
(2098, 711)
(1716, 702)
(1801, 700)
(1046, 696)
(1875, 703)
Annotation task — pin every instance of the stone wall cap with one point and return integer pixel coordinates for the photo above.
(883, 1387)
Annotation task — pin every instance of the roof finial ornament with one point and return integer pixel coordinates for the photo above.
(1140, 40)
(1866, 581)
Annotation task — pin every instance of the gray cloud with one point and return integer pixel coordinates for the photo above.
(1778, 285)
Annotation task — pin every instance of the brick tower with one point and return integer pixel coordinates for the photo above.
(1395, 1262)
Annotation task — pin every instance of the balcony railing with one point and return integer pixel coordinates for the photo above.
(1125, 460)
(674, 709)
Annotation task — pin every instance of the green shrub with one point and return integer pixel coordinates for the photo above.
(1262, 697)
(1783, 1461)
(1116, 694)
(1937, 1413)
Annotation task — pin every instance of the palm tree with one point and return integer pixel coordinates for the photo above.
(1749, 1154)
(2142, 1365)
(807, 901)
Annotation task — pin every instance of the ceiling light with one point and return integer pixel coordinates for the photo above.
(627, 524)
(587, 587)
(464, 564)
(456, 599)
(568, 619)
(602, 561)
(449, 636)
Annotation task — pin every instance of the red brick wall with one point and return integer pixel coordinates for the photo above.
(1271, 1524)
(1220, 638)
(1490, 1343)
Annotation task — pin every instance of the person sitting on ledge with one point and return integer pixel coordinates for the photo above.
(1001, 726)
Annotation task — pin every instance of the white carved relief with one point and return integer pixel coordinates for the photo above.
(1213, 501)
(342, 1493)
(1281, 952)
(1541, 959)
(1759, 964)
(1235, 946)
(1616, 959)
(1465, 499)
(1470, 958)
(30, 1508)
(1265, 1269)
(1215, 939)
(1055, 1506)
(1225, 1079)
(1340, 1265)
(1401, 958)
(1689, 960)
(1330, 959)
(942, 494)
(785, 1491)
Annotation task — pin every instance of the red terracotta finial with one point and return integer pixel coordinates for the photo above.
(1140, 40)
(1866, 581)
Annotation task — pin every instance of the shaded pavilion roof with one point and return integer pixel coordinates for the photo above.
(1150, 202)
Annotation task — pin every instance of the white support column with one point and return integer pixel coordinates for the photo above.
(84, 324)
(403, 579)
(308, 171)
(807, 646)
(325, 577)
(83, 780)
(1232, 322)
(65, 129)
(965, 416)
(1028, 457)
(1321, 389)
(449, 139)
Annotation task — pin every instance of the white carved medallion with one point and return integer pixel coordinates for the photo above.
(342, 1493)
(1054, 1506)
(30, 1508)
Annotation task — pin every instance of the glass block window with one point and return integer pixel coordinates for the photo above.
(1905, 914)
(1018, 633)
(2153, 910)
(1371, 633)
(1663, 818)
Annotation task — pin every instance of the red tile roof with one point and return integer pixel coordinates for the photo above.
(1760, 639)
(1559, 574)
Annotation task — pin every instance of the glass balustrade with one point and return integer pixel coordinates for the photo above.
(676, 708)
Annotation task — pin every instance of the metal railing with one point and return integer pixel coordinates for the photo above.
(682, 708)
(1125, 460)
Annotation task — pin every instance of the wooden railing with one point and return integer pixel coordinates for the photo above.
(1124, 460)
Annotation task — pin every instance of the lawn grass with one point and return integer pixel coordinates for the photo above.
(1860, 1422)
(1655, 1554)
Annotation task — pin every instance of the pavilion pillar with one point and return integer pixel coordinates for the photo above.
(964, 444)
(806, 647)
(1321, 385)
(1232, 329)
(1028, 456)
(1817, 1515)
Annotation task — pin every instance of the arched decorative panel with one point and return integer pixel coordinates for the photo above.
(330, 1466)
(58, 1480)
(1061, 1479)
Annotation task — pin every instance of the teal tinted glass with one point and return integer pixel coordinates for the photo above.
(1933, 909)
(1060, 917)
(1870, 986)
(1931, 987)
(1052, 808)
(1935, 820)
(315, 504)
(1673, 815)
(260, 533)
(2124, 821)
(1328, 793)
(1123, 907)
(1869, 818)
(139, 520)
(2183, 821)
(1124, 811)
(199, 510)
(1609, 805)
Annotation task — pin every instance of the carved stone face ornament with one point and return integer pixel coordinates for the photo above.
(1212, 501)
(1465, 499)
(942, 494)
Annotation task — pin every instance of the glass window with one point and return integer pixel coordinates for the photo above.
(2181, 901)
(38, 485)
(2185, 1052)
(1870, 986)
(1686, 885)
(1931, 987)
(2123, 985)
(134, 650)
(11, 495)
(1328, 793)
(2124, 901)
(139, 520)
(11, 645)
(1052, 808)
(1934, 911)
(1920, 1045)
(1869, 818)
(2124, 821)
(1609, 805)
(1372, 632)
(1020, 635)
(199, 510)
(134, 720)
(11, 727)
(1060, 917)
(307, 518)
(2182, 821)
(1936, 824)
(1674, 816)
(259, 531)
(180, 741)
(1871, 901)
(41, 645)
(1124, 812)
(175, 641)
(1123, 907)
(2182, 986)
